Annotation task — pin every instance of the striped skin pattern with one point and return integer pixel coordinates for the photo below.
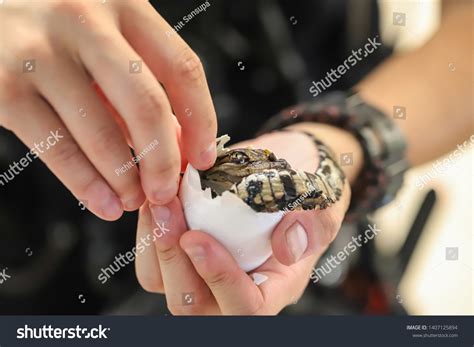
(268, 184)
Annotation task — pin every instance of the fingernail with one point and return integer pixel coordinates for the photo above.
(160, 213)
(112, 207)
(110, 204)
(196, 253)
(208, 157)
(134, 203)
(297, 240)
(164, 194)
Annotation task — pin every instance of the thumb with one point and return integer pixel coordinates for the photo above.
(303, 233)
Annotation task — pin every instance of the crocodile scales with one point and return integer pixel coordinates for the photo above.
(269, 184)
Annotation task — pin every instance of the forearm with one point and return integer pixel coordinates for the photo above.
(437, 96)
(437, 99)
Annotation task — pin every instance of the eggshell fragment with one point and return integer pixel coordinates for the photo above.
(244, 232)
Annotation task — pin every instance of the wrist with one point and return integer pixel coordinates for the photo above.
(347, 149)
(377, 178)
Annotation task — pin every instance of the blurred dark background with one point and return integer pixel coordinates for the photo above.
(259, 57)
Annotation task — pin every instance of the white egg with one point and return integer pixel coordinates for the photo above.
(244, 232)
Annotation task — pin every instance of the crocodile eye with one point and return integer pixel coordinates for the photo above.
(269, 154)
(239, 158)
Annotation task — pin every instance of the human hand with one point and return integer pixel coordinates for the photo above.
(199, 276)
(53, 51)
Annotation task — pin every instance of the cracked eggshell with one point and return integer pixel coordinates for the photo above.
(244, 232)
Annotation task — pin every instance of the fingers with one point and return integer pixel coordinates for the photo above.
(284, 284)
(303, 233)
(233, 289)
(181, 72)
(141, 101)
(147, 266)
(125, 131)
(50, 140)
(185, 290)
(89, 122)
(113, 112)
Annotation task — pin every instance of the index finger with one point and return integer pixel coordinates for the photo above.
(180, 70)
(233, 289)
